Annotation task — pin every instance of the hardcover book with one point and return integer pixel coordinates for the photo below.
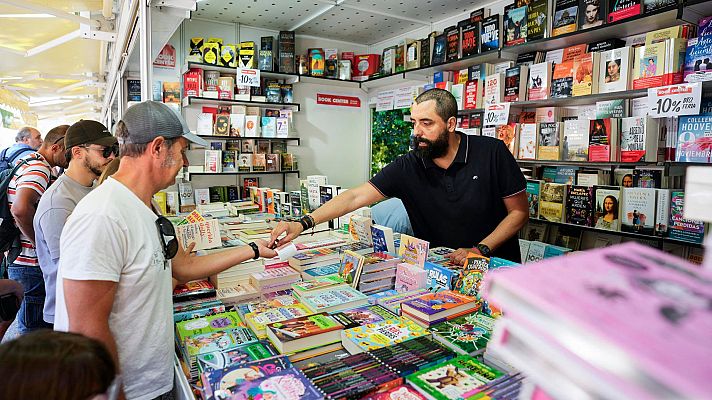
(551, 205)
(579, 205)
(452, 379)
(413, 250)
(475, 268)
(258, 321)
(380, 334)
(303, 333)
(383, 240)
(638, 210)
(433, 307)
(565, 17)
(350, 267)
(439, 277)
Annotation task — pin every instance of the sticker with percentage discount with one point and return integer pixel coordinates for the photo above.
(496, 114)
(675, 100)
(248, 77)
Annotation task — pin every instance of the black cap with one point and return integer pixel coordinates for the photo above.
(86, 131)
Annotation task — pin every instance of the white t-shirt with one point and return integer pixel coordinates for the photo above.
(112, 236)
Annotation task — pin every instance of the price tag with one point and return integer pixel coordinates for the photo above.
(496, 114)
(675, 100)
(248, 77)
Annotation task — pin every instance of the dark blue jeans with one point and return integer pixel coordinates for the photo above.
(29, 317)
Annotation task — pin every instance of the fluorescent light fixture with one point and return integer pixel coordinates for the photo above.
(49, 102)
(10, 78)
(27, 16)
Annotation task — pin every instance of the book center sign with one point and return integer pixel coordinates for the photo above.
(337, 100)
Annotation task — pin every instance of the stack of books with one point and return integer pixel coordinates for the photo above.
(274, 279)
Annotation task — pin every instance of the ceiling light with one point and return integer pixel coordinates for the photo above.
(49, 102)
(26, 16)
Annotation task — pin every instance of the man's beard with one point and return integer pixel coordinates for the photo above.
(96, 169)
(434, 149)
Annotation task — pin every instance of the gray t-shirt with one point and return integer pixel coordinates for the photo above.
(52, 212)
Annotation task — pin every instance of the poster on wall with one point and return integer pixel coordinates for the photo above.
(337, 100)
(166, 58)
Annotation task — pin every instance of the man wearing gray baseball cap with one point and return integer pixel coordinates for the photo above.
(117, 284)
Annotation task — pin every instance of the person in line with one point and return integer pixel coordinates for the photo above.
(115, 284)
(392, 213)
(460, 191)
(89, 148)
(26, 187)
(56, 366)
(27, 140)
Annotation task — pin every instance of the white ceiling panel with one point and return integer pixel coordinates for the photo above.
(275, 14)
(422, 10)
(356, 26)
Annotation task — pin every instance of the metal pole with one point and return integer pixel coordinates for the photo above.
(144, 33)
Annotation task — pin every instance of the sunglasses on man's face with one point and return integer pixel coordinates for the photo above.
(165, 228)
(107, 151)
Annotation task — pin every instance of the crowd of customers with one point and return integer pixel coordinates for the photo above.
(96, 262)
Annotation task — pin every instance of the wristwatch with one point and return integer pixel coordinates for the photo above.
(255, 249)
(484, 249)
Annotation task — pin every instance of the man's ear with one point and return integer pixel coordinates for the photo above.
(451, 124)
(154, 147)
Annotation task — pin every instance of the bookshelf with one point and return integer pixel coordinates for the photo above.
(240, 138)
(659, 239)
(193, 100)
(238, 174)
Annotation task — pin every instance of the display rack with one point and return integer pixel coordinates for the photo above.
(192, 100)
(239, 138)
(633, 235)
(237, 173)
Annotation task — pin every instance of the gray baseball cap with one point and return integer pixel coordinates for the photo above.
(148, 120)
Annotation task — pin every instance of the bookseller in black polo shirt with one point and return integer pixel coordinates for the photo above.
(460, 191)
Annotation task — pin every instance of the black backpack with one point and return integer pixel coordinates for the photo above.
(6, 162)
(9, 232)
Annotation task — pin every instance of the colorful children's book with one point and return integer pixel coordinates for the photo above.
(323, 271)
(218, 360)
(351, 266)
(257, 321)
(334, 299)
(303, 333)
(432, 308)
(467, 334)
(452, 379)
(402, 392)
(410, 277)
(264, 305)
(473, 271)
(393, 303)
(318, 283)
(653, 299)
(439, 277)
(223, 383)
(383, 239)
(209, 324)
(217, 341)
(413, 250)
(363, 316)
(285, 384)
(380, 334)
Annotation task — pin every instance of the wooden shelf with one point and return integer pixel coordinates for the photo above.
(620, 233)
(192, 100)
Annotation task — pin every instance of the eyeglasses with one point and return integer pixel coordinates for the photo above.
(107, 151)
(165, 228)
(59, 140)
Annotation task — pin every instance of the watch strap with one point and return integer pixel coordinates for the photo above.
(255, 249)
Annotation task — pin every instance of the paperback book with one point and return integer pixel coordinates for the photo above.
(539, 81)
(549, 141)
(537, 20)
(467, 334)
(638, 211)
(515, 25)
(491, 33)
(413, 250)
(565, 17)
(551, 205)
(681, 228)
(380, 334)
(527, 142)
(452, 379)
(576, 141)
(579, 205)
(607, 208)
(533, 189)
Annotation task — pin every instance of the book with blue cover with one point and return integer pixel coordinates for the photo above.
(333, 299)
(439, 277)
(383, 241)
(323, 271)
(693, 139)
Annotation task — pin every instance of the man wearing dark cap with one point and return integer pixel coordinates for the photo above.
(89, 148)
(116, 286)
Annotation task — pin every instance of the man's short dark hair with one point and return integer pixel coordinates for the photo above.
(56, 135)
(133, 149)
(445, 104)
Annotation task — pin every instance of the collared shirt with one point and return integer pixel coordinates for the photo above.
(461, 205)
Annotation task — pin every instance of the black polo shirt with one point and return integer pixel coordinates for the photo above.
(459, 206)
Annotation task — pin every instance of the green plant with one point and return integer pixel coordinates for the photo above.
(390, 137)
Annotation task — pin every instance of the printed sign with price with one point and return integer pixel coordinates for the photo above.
(496, 114)
(248, 77)
(675, 100)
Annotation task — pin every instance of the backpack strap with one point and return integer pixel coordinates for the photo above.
(17, 154)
